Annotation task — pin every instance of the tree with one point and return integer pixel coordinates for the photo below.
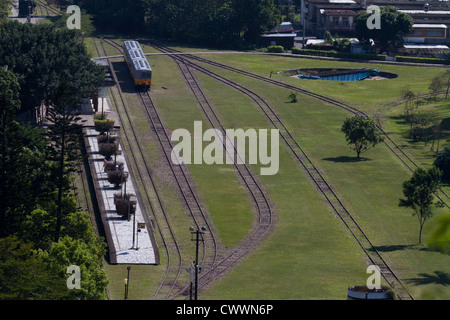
(419, 194)
(436, 86)
(445, 78)
(22, 169)
(88, 257)
(442, 162)
(24, 275)
(410, 105)
(425, 120)
(64, 133)
(255, 16)
(393, 24)
(43, 57)
(9, 143)
(362, 133)
(440, 238)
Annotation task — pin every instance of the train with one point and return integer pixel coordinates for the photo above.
(137, 63)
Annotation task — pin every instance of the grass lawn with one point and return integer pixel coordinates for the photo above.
(309, 255)
(370, 188)
(366, 95)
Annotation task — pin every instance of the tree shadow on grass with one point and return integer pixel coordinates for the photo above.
(438, 277)
(394, 247)
(347, 159)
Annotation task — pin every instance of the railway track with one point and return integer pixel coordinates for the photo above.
(161, 217)
(388, 141)
(184, 182)
(45, 8)
(332, 199)
(258, 195)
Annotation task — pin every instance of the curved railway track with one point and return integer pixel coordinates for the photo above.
(389, 142)
(258, 195)
(183, 181)
(161, 217)
(332, 199)
(250, 181)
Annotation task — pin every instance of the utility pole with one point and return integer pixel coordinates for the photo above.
(127, 283)
(198, 238)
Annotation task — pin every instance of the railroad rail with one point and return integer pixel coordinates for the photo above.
(183, 180)
(388, 141)
(250, 181)
(43, 5)
(185, 184)
(312, 171)
(160, 214)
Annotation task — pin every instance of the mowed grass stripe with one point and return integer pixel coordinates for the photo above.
(371, 188)
(305, 256)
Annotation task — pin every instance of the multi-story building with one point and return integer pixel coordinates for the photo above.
(431, 18)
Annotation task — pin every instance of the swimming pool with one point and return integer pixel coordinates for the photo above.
(340, 75)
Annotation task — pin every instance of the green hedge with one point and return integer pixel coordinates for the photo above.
(421, 60)
(335, 54)
(275, 49)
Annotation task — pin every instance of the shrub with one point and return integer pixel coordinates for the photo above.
(335, 54)
(103, 138)
(123, 204)
(443, 163)
(107, 149)
(275, 49)
(342, 45)
(103, 126)
(293, 97)
(117, 178)
(422, 60)
(111, 166)
(99, 116)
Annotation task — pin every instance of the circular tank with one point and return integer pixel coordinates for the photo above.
(364, 293)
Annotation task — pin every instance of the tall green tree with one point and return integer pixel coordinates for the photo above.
(10, 148)
(24, 275)
(64, 134)
(419, 194)
(76, 252)
(43, 57)
(361, 133)
(255, 16)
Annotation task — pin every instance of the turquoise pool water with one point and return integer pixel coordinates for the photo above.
(354, 76)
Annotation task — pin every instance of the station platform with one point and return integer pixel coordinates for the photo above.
(104, 105)
(125, 246)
